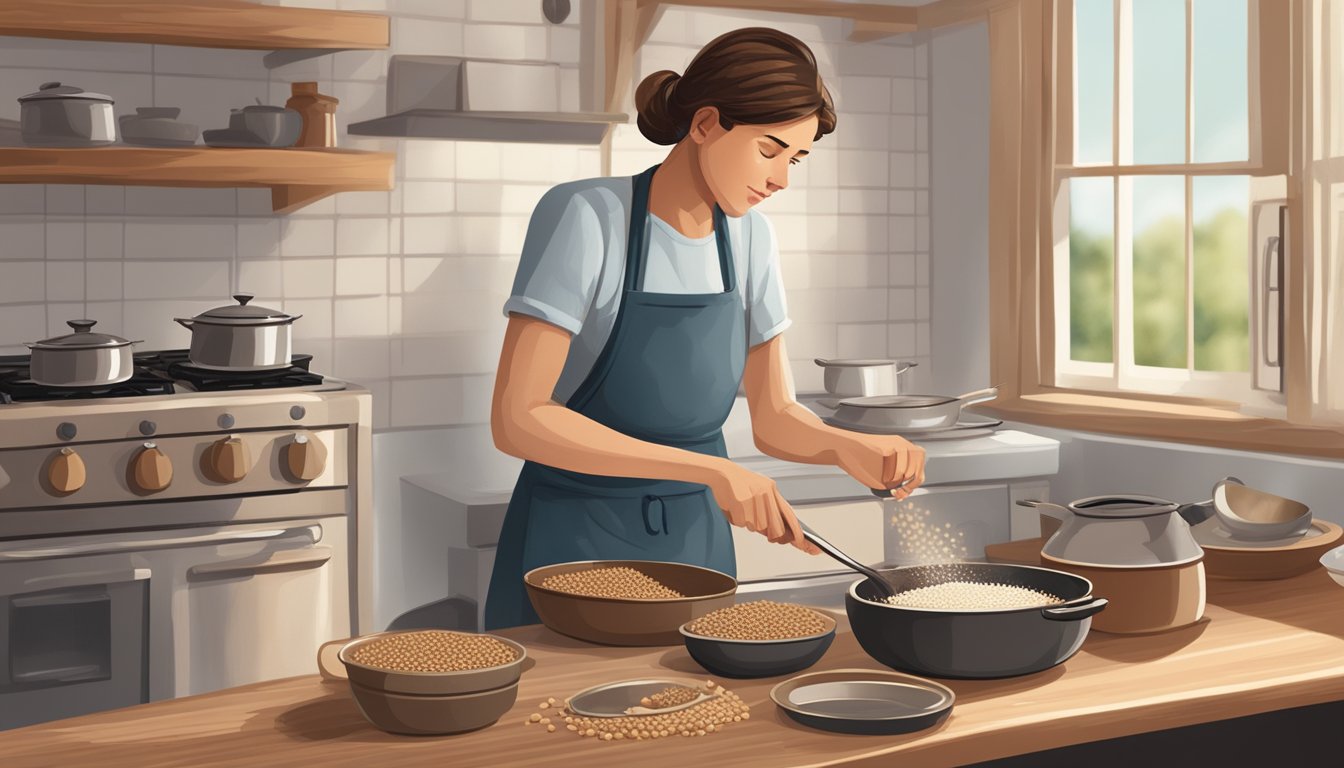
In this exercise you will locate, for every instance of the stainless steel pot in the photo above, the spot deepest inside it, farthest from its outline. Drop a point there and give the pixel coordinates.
(65, 116)
(240, 337)
(81, 359)
(891, 413)
(1138, 551)
(863, 378)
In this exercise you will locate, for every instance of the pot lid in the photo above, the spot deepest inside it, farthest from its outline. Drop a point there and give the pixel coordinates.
(1122, 506)
(243, 313)
(59, 91)
(82, 338)
(856, 363)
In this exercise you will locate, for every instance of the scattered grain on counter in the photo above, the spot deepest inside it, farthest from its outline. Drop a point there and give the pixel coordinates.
(670, 697)
(713, 715)
(622, 582)
(760, 620)
(434, 650)
(972, 596)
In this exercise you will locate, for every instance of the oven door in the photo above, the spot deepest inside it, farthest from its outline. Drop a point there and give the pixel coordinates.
(73, 636)
(247, 611)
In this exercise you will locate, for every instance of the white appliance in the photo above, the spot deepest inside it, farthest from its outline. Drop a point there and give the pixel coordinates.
(166, 543)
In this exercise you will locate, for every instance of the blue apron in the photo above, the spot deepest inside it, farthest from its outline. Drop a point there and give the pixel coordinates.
(668, 374)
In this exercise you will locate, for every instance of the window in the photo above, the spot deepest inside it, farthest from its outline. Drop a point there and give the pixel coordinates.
(1165, 268)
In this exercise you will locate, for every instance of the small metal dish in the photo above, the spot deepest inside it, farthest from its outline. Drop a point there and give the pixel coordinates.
(864, 701)
(622, 698)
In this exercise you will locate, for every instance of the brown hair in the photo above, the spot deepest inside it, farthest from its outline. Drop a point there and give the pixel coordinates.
(756, 76)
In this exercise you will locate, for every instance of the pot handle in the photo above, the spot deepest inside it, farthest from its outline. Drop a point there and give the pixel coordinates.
(1075, 611)
(184, 322)
(903, 367)
(1057, 511)
(979, 396)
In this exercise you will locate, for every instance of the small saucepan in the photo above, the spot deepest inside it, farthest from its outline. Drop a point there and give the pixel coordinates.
(862, 378)
(81, 359)
(896, 412)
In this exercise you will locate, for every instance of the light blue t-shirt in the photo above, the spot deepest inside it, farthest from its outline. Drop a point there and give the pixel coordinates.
(573, 265)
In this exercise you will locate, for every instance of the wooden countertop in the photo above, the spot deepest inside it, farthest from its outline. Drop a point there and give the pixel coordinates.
(1263, 646)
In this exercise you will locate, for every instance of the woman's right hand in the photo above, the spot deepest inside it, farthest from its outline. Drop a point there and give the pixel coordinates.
(752, 501)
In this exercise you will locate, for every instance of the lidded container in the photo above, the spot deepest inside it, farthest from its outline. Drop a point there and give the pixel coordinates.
(59, 115)
(1138, 551)
(240, 337)
(81, 359)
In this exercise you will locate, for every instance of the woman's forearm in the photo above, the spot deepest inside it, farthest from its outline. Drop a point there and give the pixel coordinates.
(557, 436)
(794, 433)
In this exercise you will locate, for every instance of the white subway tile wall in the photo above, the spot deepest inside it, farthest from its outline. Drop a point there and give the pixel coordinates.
(401, 291)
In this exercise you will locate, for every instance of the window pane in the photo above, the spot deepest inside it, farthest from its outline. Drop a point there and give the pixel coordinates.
(1093, 79)
(1221, 258)
(1091, 269)
(1158, 58)
(1219, 81)
(1159, 271)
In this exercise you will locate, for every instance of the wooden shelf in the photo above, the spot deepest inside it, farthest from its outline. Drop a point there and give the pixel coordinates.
(535, 127)
(296, 177)
(202, 23)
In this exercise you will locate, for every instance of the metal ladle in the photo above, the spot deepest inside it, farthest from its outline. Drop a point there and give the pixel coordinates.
(879, 581)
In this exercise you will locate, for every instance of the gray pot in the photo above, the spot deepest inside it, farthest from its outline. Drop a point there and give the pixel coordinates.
(270, 125)
(240, 337)
(863, 378)
(81, 359)
(891, 413)
(65, 116)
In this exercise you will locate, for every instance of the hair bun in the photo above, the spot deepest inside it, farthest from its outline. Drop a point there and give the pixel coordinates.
(659, 120)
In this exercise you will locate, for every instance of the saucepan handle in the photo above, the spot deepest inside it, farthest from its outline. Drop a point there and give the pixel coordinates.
(1057, 511)
(1075, 611)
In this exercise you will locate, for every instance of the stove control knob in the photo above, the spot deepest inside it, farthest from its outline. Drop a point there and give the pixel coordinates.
(151, 470)
(227, 460)
(148, 427)
(65, 473)
(305, 458)
(66, 431)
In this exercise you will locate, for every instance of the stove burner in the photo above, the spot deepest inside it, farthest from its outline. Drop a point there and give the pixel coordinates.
(154, 374)
(174, 364)
(16, 387)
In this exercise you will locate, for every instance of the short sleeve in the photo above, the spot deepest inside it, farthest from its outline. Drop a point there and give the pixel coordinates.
(767, 312)
(562, 256)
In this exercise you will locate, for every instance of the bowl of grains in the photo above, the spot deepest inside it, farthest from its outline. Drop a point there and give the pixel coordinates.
(432, 661)
(625, 602)
(759, 639)
(641, 710)
(433, 681)
(972, 620)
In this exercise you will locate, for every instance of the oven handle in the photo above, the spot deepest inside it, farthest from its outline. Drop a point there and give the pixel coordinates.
(284, 560)
(72, 581)
(219, 537)
(60, 675)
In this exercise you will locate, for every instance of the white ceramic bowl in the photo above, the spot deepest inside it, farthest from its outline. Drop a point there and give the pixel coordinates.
(1334, 564)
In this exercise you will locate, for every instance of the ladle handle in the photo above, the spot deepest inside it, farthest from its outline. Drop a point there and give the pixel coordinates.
(879, 581)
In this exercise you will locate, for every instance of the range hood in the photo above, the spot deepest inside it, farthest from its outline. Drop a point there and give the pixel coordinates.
(447, 97)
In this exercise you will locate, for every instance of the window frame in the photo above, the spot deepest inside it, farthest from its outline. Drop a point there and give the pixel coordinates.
(1026, 78)
(1123, 374)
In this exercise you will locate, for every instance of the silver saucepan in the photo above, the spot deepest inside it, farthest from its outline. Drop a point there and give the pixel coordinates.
(81, 359)
(897, 412)
(240, 337)
(862, 378)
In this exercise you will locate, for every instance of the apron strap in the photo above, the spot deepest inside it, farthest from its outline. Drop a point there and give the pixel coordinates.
(637, 239)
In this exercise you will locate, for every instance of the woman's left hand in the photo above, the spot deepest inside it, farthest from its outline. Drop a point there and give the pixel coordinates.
(882, 461)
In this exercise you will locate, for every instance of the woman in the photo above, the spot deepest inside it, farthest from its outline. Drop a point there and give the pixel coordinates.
(639, 307)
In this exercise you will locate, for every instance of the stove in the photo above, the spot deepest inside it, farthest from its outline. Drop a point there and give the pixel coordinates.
(184, 531)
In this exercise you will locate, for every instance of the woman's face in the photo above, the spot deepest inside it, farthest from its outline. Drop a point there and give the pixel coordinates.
(748, 163)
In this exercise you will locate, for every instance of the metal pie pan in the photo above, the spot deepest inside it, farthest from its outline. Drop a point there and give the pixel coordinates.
(864, 701)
